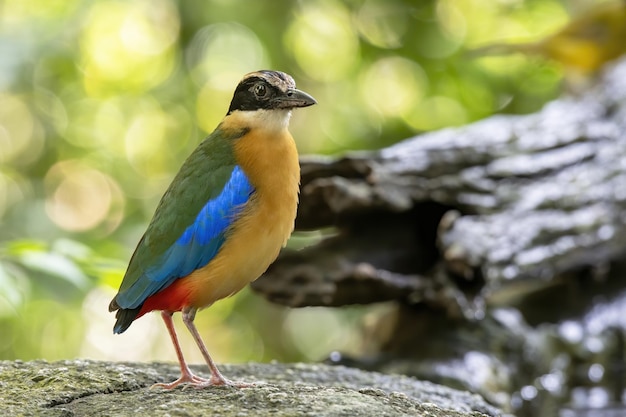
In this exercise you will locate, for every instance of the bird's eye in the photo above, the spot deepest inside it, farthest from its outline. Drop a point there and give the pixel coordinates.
(260, 90)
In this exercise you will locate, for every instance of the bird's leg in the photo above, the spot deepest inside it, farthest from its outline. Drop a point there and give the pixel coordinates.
(186, 376)
(189, 314)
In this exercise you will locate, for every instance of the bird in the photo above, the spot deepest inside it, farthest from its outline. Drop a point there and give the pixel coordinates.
(223, 220)
(582, 46)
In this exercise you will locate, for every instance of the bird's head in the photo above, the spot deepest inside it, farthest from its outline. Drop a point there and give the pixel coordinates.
(268, 90)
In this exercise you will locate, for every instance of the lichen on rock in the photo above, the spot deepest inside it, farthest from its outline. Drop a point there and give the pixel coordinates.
(93, 388)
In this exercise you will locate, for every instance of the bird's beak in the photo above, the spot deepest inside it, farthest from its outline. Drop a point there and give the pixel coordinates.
(294, 98)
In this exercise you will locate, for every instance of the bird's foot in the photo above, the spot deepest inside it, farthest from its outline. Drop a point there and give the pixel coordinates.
(217, 381)
(188, 379)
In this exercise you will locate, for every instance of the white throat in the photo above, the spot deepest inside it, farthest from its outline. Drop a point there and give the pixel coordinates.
(272, 120)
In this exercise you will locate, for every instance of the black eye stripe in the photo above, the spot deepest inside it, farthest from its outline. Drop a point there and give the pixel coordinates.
(253, 93)
(248, 96)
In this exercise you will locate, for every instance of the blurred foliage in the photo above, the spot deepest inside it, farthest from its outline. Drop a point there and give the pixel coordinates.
(101, 101)
(583, 46)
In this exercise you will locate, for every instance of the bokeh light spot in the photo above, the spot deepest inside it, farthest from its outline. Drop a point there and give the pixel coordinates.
(129, 45)
(221, 53)
(16, 128)
(451, 20)
(145, 141)
(78, 198)
(393, 86)
(382, 24)
(215, 67)
(323, 41)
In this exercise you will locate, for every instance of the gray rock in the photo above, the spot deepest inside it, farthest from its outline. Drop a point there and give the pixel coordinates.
(92, 388)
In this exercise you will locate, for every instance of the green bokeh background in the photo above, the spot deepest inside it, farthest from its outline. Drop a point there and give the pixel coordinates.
(101, 101)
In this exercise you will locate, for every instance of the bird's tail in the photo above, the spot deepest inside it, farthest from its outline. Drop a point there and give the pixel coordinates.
(124, 316)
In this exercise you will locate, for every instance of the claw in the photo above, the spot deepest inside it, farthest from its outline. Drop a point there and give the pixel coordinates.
(221, 381)
(194, 381)
(188, 379)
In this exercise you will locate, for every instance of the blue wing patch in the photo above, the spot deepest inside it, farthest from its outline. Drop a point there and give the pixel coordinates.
(197, 245)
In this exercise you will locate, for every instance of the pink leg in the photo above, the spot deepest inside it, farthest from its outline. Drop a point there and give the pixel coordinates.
(189, 314)
(186, 376)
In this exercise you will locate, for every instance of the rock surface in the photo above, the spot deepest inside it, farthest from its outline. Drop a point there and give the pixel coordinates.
(91, 388)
